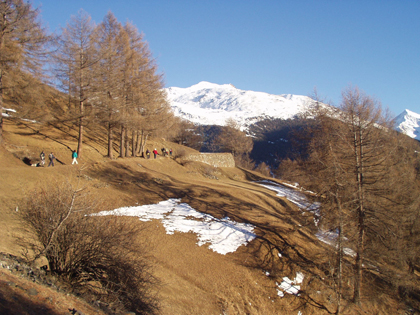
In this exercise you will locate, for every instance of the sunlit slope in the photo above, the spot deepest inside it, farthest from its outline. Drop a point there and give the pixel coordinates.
(196, 279)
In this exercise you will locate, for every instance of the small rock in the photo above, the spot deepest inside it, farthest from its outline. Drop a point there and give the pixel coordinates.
(73, 311)
(32, 291)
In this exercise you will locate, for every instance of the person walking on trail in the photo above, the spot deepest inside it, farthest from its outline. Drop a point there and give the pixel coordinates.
(42, 156)
(51, 157)
(74, 156)
(155, 152)
(148, 154)
(170, 152)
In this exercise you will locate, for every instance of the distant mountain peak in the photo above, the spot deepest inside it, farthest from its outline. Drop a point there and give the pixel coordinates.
(206, 84)
(408, 122)
(208, 103)
(410, 113)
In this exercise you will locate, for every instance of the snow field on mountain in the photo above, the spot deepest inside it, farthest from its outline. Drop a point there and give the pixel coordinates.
(408, 122)
(207, 103)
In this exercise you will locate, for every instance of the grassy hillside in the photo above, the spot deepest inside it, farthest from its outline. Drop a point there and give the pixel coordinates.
(194, 279)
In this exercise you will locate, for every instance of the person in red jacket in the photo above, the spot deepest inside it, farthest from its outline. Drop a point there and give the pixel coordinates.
(155, 152)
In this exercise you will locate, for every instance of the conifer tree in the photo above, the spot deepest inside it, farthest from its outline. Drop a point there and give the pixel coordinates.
(128, 88)
(356, 168)
(149, 110)
(136, 55)
(23, 43)
(75, 62)
(108, 75)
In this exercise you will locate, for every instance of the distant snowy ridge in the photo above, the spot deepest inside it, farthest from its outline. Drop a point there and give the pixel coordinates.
(408, 122)
(212, 104)
(207, 103)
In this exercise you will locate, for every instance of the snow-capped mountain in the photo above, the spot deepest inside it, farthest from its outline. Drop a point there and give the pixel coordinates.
(408, 122)
(207, 103)
(212, 104)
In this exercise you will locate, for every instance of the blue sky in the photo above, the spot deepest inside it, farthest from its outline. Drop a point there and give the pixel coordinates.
(275, 46)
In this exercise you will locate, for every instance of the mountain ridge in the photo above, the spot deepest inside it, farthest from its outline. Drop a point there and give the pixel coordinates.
(408, 122)
(207, 103)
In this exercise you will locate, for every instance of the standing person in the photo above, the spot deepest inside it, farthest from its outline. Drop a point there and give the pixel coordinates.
(74, 156)
(155, 152)
(148, 154)
(170, 152)
(42, 156)
(51, 157)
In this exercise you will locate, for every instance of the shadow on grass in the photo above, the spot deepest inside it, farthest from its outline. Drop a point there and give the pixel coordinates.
(278, 224)
(19, 304)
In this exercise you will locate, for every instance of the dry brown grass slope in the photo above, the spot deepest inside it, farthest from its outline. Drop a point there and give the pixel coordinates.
(195, 280)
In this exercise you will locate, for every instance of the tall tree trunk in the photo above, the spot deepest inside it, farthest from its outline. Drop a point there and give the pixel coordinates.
(338, 200)
(110, 140)
(1, 106)
(138, 138)
(139, 141)
(81, 104)
(340, 254)
(127, 144)
(122, 144)
(133, 143)
(358, 146)
(4, 22)
(143, 145)
(81, 121)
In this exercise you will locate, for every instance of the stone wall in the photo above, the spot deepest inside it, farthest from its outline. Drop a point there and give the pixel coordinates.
(213, 159)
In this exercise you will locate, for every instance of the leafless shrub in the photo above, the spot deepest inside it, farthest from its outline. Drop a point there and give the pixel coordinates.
(209, 171)
(101, 257)
(179, 157)
(179, 154)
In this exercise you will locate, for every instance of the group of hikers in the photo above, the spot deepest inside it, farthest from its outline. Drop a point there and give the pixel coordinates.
(155, 153)
(51, 156)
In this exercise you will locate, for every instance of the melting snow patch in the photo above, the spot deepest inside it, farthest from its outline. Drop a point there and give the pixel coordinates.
(300, 200)
(224, 235)
(293, 195)
(331, 238)
(290, 286)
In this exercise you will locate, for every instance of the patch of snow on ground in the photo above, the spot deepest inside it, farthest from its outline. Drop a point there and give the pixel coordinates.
(301, 201)
(290, 286)
(331, 238)
(224, 235)
(7, 111)
(292, 195)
